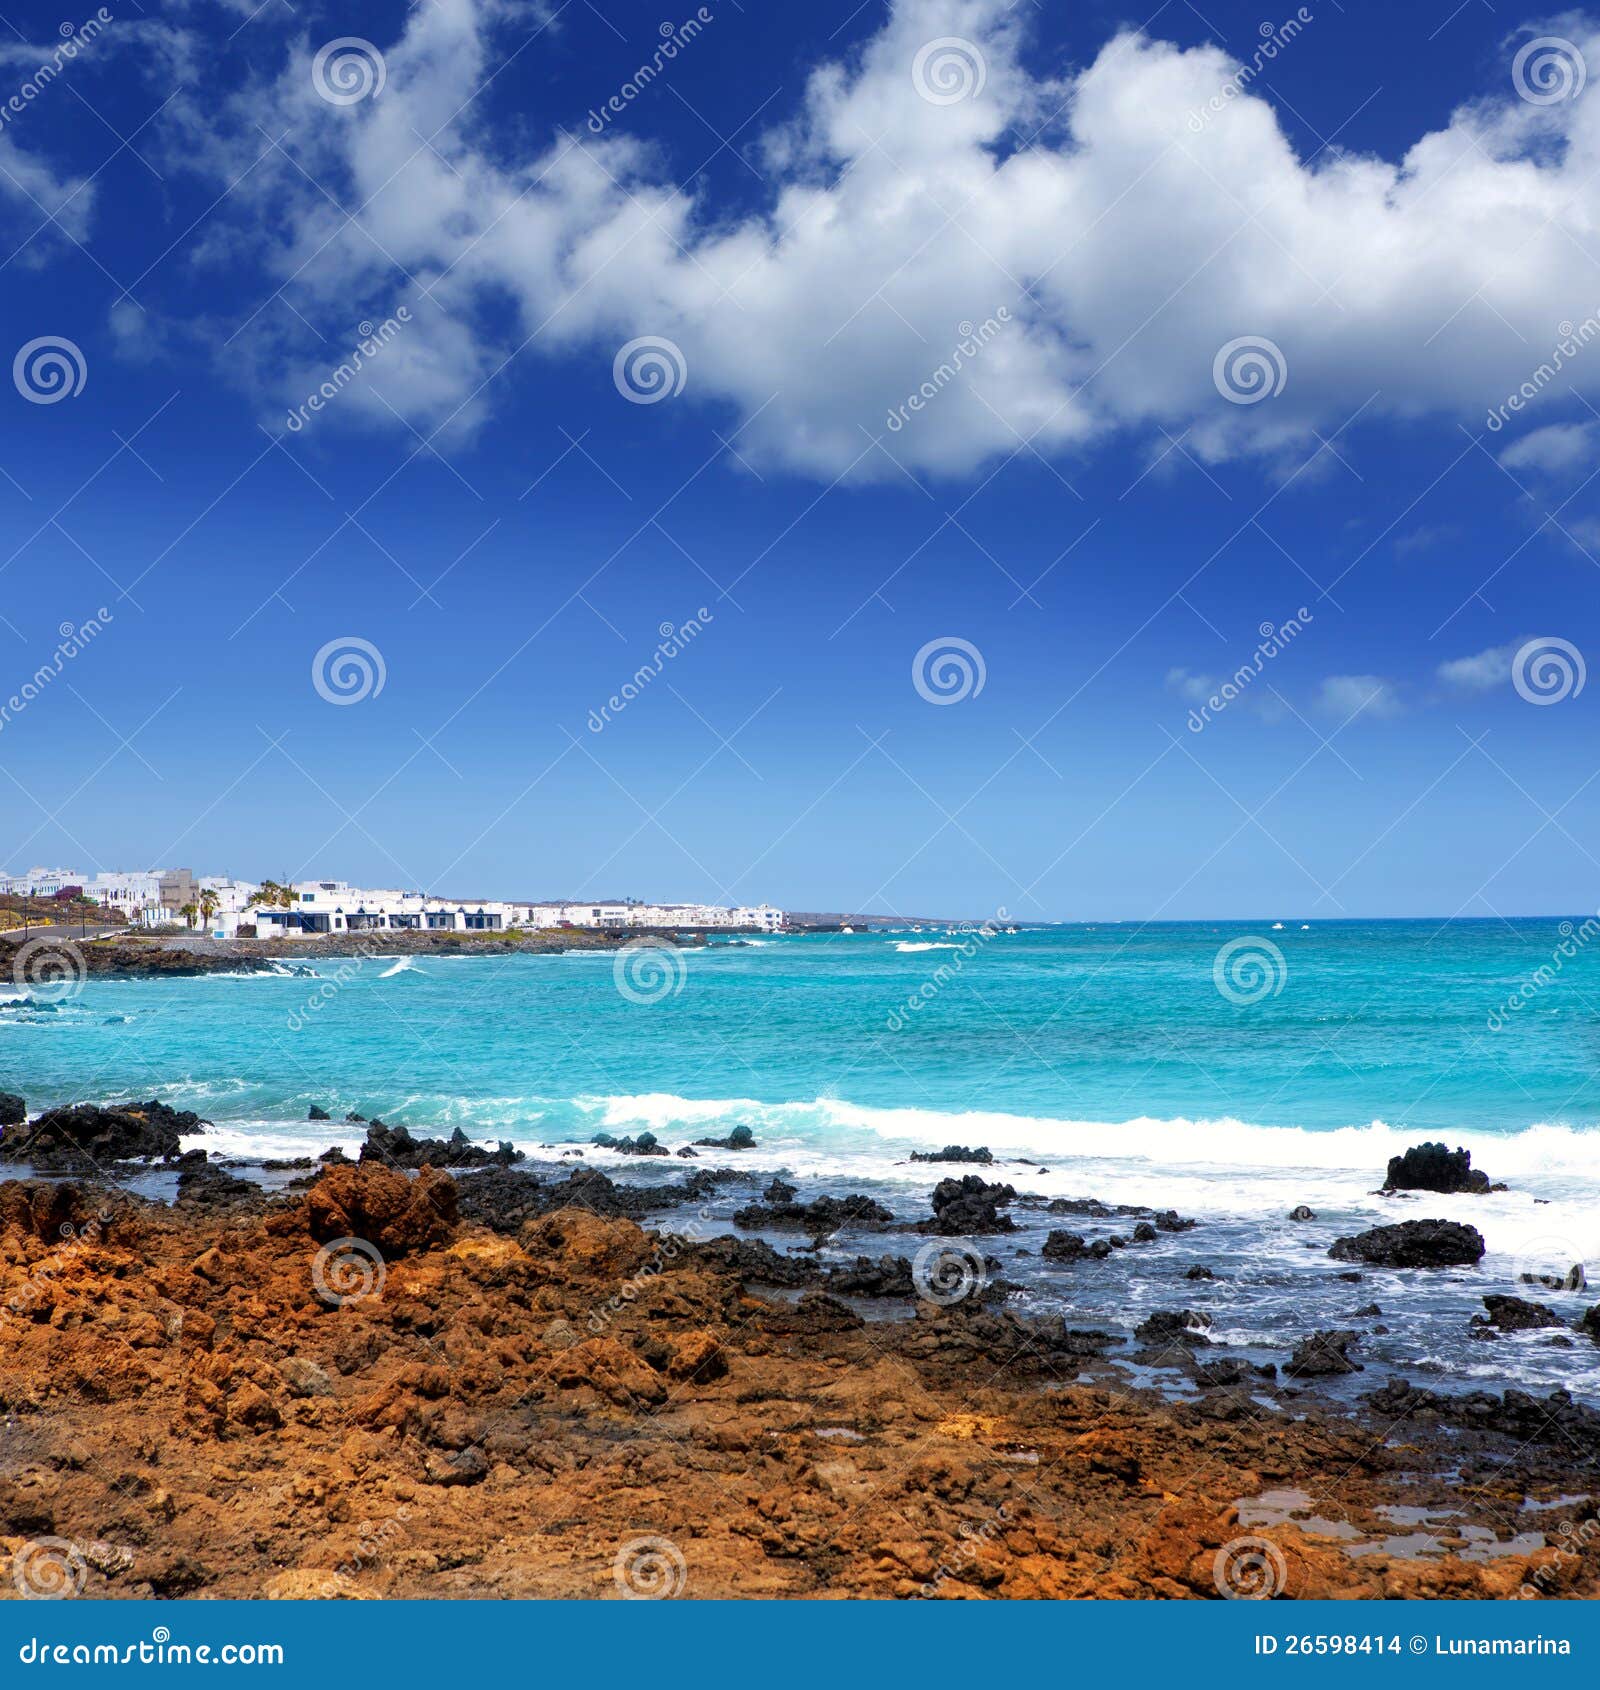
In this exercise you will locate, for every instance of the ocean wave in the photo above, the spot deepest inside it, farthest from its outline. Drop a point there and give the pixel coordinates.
(406, 965)
(906, 946)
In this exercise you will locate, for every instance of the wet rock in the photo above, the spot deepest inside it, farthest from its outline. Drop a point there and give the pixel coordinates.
(316, 1114)
(754, 1260)
(780, 1191)
(821, 1216)
(1433, 1167)
(1555, 1419)
(981, 1157)
(962, 1207)
(1063, 1246)
(1144, 1233)
(646, 1144)
(884, 1276)
(1589, 1323)
(356, 1119)
(1369, 1311)
(1301, 1213)
(1413, 1244)
(84, 1135)
(1199, 1271)
(1323, 1353)
(383, 1207)
(1512, 1314)
(396, 1147)
(1221, 1374)
(741, 1138)
(1166, 1327)
(13, 1111)
(688, 1153)
(215, 1187)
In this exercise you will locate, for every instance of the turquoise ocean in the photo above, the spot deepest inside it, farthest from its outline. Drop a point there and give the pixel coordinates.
(1232, 1071)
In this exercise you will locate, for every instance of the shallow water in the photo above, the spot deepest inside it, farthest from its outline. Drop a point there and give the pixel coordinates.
(1108, 1053)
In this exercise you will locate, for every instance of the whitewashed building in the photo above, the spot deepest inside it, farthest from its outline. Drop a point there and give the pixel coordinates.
(633, 913)
(40, 882)
(146, 897)
(335, 906)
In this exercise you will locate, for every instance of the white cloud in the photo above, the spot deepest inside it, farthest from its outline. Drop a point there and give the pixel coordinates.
(1481, 672)
(1128, 244)
(1349, 696)
(44, 203)
(1558, 450)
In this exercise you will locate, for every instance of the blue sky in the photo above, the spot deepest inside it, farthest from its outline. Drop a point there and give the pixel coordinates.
(807, 205)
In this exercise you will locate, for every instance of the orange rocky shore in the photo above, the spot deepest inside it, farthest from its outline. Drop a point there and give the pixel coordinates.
(349, 1391)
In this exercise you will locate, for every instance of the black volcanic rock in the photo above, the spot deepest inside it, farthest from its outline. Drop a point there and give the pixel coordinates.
(969, 1205)
(1302, 1213)
(1512, 1314)
(1323, 1352)
(646, 1144)
(819, 1217)
(741, 1138)
(399, 1149)
(84, 1134)
(1434, 1167)
(316, 1114)
(13, 1111)
(955, 1153)
(1413, 1244)
(1555, 1419)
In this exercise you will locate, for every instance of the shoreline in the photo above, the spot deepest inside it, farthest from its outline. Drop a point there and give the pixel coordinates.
(387, 1379)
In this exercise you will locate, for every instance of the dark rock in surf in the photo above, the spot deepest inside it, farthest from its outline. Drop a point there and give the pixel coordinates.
(741, 1138)
(1413, 1244)
(1323, 1353)
(1300, 1212)
(1434, 1167)
(399, 1149)
(1512, 1314)
(969, 1205)
(84, 1135)
(955, 1153)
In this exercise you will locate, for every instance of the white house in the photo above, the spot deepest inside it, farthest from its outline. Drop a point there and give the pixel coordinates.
(334, 906)
(632, 913)
(40, 882)
(147, 897)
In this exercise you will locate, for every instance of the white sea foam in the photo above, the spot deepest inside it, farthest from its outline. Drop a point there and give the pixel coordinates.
(909, 945)
(406, 965)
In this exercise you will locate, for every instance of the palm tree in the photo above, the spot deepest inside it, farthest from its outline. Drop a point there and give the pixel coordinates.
(270, 895)
(208, 906)
(189, 912)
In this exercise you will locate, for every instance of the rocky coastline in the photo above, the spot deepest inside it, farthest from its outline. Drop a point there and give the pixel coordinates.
(443, 1370)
